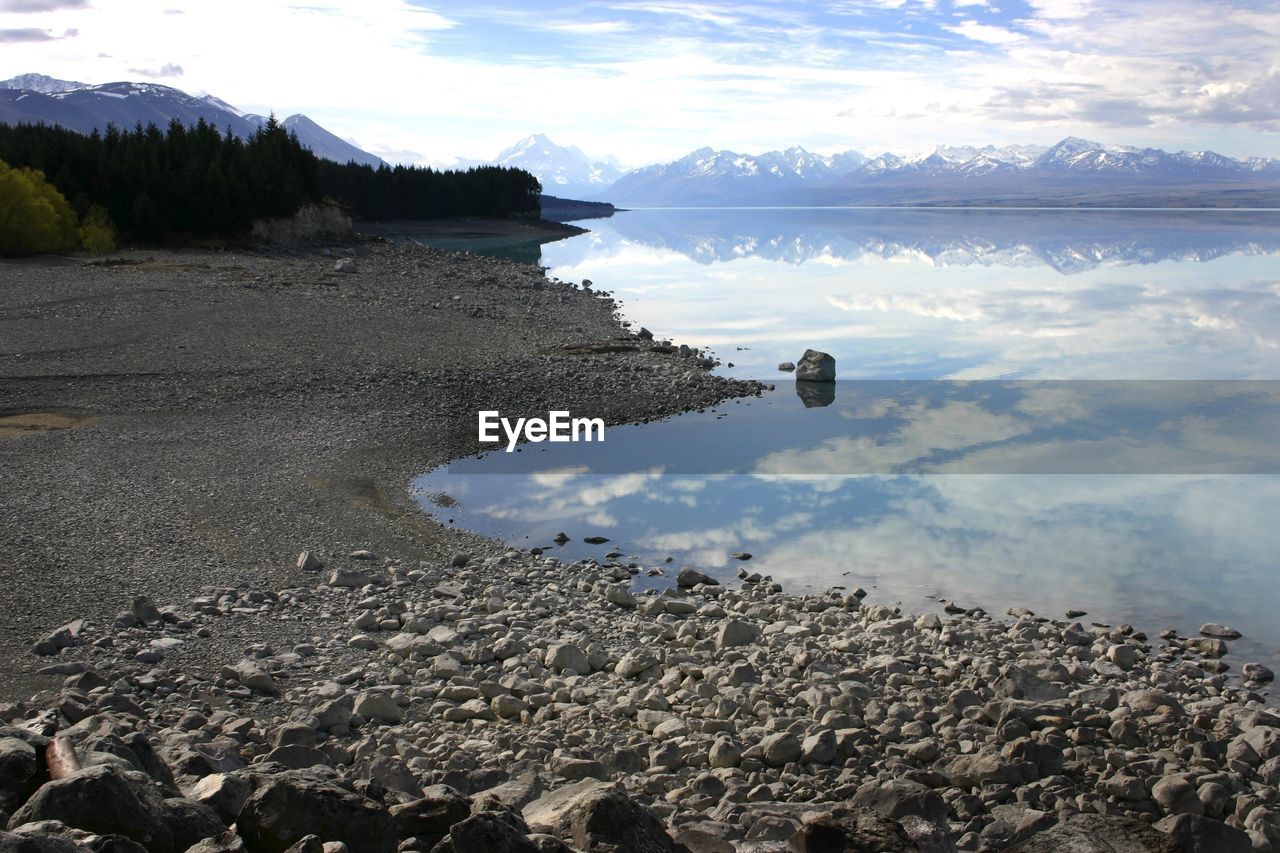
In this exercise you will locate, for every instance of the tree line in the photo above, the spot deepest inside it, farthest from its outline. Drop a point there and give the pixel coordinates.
(411, 192)
(196, 182)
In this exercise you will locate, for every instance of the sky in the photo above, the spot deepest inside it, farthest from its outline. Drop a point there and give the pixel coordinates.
(650, 80)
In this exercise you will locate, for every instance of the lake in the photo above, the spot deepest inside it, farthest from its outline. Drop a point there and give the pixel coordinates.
(1048, 409)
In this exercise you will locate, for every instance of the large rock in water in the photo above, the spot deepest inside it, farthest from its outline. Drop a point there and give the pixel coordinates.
(815, 366)
(290, 806)
(600, 818)
(109, 801)
(688, 578)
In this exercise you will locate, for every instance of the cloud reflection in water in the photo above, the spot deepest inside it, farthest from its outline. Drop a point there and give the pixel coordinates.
(1150, 502)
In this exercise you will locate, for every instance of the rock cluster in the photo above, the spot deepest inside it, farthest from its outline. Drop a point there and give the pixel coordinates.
(508, 701)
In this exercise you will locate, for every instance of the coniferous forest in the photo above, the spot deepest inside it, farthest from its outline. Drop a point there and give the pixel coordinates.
(197, 182)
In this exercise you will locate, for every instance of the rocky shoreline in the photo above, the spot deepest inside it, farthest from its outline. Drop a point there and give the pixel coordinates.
(404, 686)
(503, 700)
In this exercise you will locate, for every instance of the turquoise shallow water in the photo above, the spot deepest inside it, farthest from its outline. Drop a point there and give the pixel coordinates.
(987, 442)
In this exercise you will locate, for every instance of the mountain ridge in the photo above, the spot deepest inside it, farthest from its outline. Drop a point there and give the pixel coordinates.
(1073, 170)
(38, 98)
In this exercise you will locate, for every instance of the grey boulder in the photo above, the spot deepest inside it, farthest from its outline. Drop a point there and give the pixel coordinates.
(290, 806)
(1199, 834)
(853, 829)
(815, 366)
(107, 800)
(1094, 833)
(899, 798)
(600, 818)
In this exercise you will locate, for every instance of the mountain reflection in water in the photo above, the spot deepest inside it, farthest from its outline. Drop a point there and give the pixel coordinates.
(929, 294)
(1068, 241)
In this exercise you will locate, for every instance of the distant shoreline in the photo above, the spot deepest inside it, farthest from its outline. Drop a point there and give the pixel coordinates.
(961, 206)
(543, 230)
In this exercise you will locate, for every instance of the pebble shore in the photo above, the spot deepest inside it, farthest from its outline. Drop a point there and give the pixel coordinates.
(508, 689)
(375, 696)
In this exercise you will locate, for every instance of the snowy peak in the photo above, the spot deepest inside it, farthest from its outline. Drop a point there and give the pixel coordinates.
(792, 164)
(1211, 160)
(41, 83)
(710, 175)
(1013, 155)
(886, 162)
(220, 104)
(1072, 146)
(564, 171)
(796, 176)
(146, 92)
(1081, 155)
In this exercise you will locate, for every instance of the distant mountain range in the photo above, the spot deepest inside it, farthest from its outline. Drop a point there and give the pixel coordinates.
(35, 98)
(1074, 171)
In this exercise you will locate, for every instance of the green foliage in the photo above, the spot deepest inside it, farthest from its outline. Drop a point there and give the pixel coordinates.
(97, 234)
(194, 182)
(34, 217)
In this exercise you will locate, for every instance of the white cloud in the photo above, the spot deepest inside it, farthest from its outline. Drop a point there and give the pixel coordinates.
(985, 33)
(655, 79)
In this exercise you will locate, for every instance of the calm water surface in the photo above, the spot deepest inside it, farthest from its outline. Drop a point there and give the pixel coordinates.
(1015, 422)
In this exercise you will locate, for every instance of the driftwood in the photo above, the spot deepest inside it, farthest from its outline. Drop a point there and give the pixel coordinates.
(61, 757)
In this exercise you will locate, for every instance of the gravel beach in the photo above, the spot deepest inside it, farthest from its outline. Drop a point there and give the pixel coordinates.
(241, 407)
(224, 602)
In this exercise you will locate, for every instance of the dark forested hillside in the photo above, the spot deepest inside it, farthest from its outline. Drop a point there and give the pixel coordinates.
(410, 192)
(194, 182)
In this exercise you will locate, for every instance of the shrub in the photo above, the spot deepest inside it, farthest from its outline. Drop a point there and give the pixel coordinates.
(34, 217)
(97, 234)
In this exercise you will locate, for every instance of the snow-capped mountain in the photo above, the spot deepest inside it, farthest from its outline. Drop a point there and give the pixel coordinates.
(1072, 171)
(41, 83)
(1015, 155)
(708, 176)
(35, 98)
(220, 104)
(564, 171)
(1080, 155)
(886, 162)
